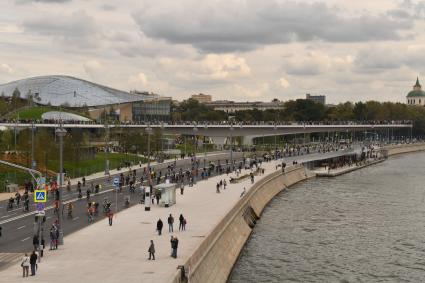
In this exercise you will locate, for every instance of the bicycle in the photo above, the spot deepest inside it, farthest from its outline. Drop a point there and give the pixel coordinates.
(90, 218)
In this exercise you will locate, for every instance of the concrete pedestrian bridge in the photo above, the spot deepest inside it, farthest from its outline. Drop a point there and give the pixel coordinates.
(224, 129)
(219, 132)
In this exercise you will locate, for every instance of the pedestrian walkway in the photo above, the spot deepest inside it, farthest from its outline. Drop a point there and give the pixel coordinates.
(119, 253)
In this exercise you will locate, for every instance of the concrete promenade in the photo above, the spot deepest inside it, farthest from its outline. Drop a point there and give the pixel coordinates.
(101, 253)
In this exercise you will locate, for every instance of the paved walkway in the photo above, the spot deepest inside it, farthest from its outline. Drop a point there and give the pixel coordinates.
(101, 253)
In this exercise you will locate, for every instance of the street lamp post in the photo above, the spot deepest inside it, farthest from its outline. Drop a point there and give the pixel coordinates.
(275, 144)
(32, 146)
(149, 132)
(60, 132)
(231, 146)
(106, 147)
(195, 130)
(203, 145)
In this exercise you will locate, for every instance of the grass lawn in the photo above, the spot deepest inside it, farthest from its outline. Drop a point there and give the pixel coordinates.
(12, 176)
(87, 167)
(36, 112)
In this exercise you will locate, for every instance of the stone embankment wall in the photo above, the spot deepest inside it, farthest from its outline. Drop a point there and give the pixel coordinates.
(213, 260)
(404, 148)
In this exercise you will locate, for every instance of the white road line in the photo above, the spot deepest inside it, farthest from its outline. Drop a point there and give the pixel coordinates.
(27, 238)
(20, 227)
(48, 217)
(76, 218)
(4, 216)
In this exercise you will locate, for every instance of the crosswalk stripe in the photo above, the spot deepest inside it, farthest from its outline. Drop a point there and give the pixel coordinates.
(8, 259)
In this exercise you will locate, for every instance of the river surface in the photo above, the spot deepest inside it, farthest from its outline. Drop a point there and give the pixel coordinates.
(365, 226)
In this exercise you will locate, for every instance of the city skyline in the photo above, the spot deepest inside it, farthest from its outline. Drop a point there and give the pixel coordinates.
(236, 50)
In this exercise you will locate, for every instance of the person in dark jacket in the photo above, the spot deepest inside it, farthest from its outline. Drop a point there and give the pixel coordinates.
(174, 246)
(159, 226)
(33, 262)
(151, 251)
(170, 223)
(181, 218)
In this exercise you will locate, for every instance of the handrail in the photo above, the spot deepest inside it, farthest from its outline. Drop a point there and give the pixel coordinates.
(29, 170)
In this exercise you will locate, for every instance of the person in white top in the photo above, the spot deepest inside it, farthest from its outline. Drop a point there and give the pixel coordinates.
(25, 265)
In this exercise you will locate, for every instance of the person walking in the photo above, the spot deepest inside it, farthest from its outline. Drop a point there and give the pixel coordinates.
(25, 263)
(217, 188)
(170, 223)
(151, 251)
(181, 218)
(33, 262)
(172, 241)
(224, 184)
(174, 246)
(184, 224)
(110, 217)
(159, 226)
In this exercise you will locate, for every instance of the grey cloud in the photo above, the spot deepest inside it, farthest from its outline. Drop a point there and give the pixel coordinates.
(240, 26)
(107, 7)
(76, 28)
(377, 59)
(42, 1)
(409, 10)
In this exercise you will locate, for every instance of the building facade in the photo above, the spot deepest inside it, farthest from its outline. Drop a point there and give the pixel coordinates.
(316, 98)
(417, 95)
(202, 98)
(233, 106)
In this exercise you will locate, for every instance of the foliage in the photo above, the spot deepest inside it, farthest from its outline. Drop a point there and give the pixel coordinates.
(192, 110)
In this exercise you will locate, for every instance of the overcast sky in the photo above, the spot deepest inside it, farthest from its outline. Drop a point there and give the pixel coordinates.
(231, 49)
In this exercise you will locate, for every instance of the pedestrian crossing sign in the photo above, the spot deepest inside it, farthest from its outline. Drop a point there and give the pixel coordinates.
(40, 196)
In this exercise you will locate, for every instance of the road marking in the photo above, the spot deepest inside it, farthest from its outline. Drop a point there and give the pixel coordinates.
(4, 216)
(75, 218)
(20, 227)
(48, 217)
(27, 238)
(14, 209)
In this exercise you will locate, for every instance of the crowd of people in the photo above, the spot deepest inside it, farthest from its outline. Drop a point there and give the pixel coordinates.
(211, 123)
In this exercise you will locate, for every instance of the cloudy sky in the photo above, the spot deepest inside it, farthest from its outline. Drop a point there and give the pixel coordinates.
(232, 49)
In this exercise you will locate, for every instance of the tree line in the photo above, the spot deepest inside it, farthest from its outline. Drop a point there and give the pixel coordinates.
(307, 110)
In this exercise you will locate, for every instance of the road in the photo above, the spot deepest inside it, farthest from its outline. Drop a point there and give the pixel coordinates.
(18, 228)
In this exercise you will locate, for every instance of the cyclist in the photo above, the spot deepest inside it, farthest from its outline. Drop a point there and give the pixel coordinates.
(70, 207)
(89, 213)
(10, 204)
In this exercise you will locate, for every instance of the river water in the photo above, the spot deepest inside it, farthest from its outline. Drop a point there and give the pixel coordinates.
(365, 226)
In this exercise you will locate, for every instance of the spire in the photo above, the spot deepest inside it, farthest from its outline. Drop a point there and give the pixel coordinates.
(417, 86)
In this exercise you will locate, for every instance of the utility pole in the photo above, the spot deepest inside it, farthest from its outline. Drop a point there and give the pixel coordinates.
(60, 132)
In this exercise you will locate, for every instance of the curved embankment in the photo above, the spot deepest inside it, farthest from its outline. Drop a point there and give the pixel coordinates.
(213, 260)
(405, 148)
